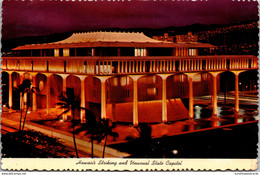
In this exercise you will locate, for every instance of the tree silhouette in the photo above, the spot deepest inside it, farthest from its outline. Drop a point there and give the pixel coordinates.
(92, 127)
(25, 87)
(105, 130)
(70, 102)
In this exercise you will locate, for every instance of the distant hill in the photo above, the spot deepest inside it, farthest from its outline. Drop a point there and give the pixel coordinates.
(227, 35)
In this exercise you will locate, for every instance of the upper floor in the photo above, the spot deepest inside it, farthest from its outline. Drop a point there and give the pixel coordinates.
(115, 44)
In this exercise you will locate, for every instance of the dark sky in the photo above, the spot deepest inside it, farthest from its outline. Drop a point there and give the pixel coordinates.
(25, 18)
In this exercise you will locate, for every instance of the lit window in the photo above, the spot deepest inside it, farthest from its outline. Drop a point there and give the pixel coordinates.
(151, 91)
(115, 83)
(123, 81)
(140, 52)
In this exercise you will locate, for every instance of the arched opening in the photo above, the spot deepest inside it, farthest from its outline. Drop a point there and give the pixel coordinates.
(226, 82)
(150, 99)
(55, 89)
(41, 86)
(5, 88)
(248, 82)
(120, 98)
(74, 83)
(16, 79)
(202, 84)
(177, 86)
(93, 95)
(177, 90)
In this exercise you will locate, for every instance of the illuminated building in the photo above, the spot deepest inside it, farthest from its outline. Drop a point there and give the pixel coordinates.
(127, 77)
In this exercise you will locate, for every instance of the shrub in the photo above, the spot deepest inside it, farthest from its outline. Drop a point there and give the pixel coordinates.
(30, 144)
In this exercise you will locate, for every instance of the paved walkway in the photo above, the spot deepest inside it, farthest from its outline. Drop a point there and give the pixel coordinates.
(10, 119)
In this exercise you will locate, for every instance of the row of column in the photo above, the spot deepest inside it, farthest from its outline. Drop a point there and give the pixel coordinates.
(190, 82)
(135, 93)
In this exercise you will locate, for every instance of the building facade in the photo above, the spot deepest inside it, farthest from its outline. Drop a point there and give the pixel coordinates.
(127, 77)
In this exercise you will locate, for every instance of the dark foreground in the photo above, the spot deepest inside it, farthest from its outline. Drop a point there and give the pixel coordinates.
(239, 141)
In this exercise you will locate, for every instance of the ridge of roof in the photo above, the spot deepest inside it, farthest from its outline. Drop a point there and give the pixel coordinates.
(104, 36)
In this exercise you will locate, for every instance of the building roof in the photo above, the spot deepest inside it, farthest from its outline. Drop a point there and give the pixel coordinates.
(109, 39)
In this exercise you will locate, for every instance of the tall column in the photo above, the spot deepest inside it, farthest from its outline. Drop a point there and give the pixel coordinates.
(236, 93)
(135, 103)
(191, 112)
(237, 90)
(34, 102)
(103, 96)
(10, 90)
(21, 97)
(64, 88)
(215, 94)
(103, 100)
(82, 98)
(164, 101)
(135, 99)
(48, 94)
(164, 96)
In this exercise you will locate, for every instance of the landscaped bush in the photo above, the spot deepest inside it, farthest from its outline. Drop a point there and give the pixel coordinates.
(31, 144)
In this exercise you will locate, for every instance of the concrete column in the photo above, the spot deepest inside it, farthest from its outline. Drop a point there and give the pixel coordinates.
(215, 93)
(48, 94)
(135, 98)
(236, 93)
(21, 97)
(64, 87)
(190, 78)
(164, 101)
(214, 96)
(135, 102)
(34, 97)
(103, 96)
(164, 97)
(82, 98)
(191, 112)
(237, 90)
(103, 100)
(10, 90)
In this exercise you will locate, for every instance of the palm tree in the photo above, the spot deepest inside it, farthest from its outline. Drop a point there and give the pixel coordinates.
(25, 87)
(92, 128)
(70, 102)
(106, 130)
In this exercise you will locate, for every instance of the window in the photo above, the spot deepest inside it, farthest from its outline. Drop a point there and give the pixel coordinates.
(140, 52)
(192, 52)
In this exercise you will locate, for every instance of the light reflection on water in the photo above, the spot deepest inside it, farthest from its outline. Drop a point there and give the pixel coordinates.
(226, 116)
(202, 120)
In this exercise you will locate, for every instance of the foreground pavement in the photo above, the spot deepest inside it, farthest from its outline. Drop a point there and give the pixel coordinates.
(65, 137)
(128, 133)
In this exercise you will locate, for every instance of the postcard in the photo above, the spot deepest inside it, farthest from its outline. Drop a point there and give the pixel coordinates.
(106, 85)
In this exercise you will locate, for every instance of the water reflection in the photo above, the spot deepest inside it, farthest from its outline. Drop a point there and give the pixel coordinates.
(203, 119)
(226, 116)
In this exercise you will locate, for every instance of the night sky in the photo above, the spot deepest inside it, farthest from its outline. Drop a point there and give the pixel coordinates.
(30, 18)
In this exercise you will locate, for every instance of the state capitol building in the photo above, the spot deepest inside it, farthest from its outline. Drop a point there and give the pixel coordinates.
(126, 77)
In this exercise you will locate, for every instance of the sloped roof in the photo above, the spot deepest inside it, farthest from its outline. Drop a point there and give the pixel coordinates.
(107, 37)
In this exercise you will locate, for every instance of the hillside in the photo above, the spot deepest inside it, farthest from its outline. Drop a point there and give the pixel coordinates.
(230, 38)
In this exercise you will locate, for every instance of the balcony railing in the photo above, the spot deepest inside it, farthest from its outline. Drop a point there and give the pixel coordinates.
(129, 65)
